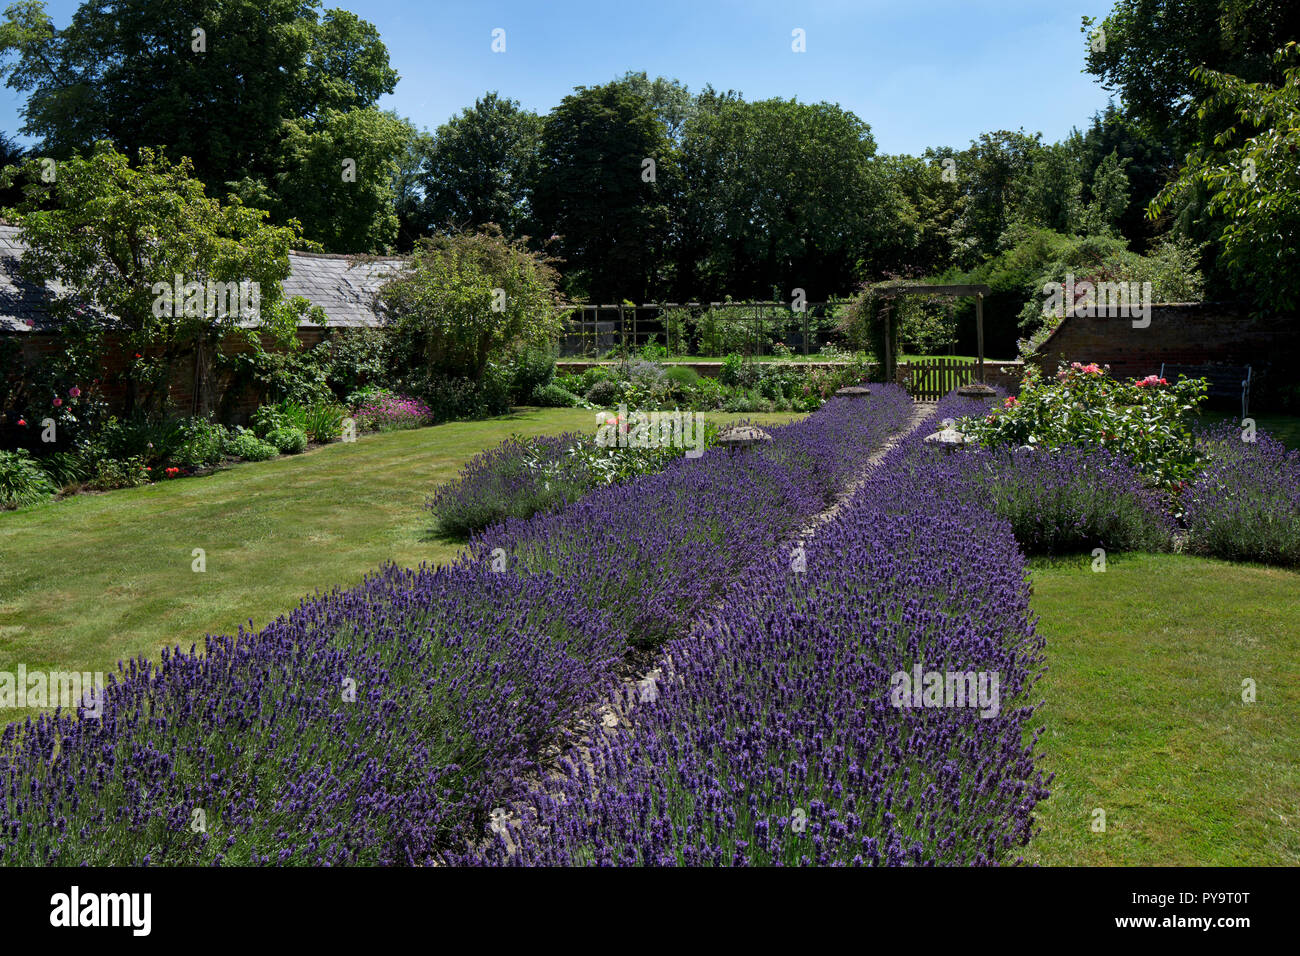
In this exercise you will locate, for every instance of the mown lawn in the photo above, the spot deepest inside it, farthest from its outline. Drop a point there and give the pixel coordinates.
(94, 579)
(1145, 718)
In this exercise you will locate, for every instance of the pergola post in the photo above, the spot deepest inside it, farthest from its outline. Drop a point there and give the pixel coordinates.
(979, 329)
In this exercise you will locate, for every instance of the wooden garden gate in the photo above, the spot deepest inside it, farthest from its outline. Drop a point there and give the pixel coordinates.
(931, 379)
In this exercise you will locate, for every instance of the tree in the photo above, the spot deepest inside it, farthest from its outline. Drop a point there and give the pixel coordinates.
(11, 154)
(235, 85)
(1252, 181)
(596, 192)
(669, 100)
(117, 236)
(464, 298)
(477, 167)
(1110, 193)
(1146, 49)
(1052, 190)
(1148, 162)
(993, 173)
(931, 201)
(786, 195)
(338, 178)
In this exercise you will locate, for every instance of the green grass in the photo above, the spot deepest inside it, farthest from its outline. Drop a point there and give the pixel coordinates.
(1145, 718)
(94, 579)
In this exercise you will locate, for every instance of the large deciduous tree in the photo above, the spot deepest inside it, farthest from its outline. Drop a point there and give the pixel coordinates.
(1252, 180)
(596, 192)
(783, 195)
(477, 166)
(234, 85)
(1145, 50)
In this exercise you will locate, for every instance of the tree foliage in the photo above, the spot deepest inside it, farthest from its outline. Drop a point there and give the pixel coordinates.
(1252, 179)
(477, 167)
(594, 192)
(108, 232)
(249, 93)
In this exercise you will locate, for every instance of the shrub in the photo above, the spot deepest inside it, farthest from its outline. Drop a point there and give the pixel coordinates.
(1068, 499)
(356, 359)
(22, 481)
(530, 369)
(1146, 420)
(202, 445)
(113, 473)
(249, 447)
(150, 439)
(605, 392)
(448, 313)
(1245, 506)
(285, 414)
(732, 371)
(708, 394)
(289, 441)
(553, 396)
(683, 376)
(521, 477)
(387, 412)
(742, 400)
(516, 479)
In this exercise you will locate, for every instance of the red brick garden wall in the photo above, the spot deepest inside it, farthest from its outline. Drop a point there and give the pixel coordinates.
(38, 346)
(1181, 334)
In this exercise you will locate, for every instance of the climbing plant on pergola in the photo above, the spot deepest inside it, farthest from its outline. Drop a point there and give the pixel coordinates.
(890, 289)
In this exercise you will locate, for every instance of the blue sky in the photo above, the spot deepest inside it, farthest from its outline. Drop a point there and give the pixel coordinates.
(922, 73)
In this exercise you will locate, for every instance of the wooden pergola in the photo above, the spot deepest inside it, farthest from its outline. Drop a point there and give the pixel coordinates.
(951, 291)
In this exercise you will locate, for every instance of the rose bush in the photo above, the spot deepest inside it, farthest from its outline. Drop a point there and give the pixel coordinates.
(1148, 421)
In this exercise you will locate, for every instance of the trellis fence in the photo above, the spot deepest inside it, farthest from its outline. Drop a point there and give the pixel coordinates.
(707, 329)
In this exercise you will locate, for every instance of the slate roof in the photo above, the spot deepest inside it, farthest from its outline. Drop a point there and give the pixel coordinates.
(344, 286)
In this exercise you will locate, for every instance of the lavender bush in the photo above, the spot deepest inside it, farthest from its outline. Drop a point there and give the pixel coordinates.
(524, 476)
(516, 479)
(1245, 506)
(773, 736)
(384, 723)
(368, 726)
(658, 551)
(1069, 499)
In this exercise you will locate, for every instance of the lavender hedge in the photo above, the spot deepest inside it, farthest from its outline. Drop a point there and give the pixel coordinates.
(657, 552)
(516, 479)
(383, 723)
(455, 675)
(773, 735)
(1245, 505)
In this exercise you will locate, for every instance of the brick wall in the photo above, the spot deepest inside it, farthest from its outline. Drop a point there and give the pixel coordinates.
(35, 347)
(1182, 334)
